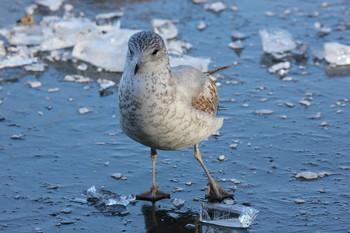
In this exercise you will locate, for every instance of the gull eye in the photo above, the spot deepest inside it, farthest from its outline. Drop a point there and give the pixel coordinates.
(155, 52)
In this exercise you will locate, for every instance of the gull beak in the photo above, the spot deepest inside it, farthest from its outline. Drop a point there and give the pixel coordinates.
(138, 66)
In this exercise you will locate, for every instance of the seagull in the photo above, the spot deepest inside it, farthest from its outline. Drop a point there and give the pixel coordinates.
(166, 108)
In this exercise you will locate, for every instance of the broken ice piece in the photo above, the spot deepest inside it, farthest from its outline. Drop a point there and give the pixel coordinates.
(20, 58)
(105, 51)
(276, 40)
(235, 215)
(178, 47)
(54, 89)
(280, 69)
(165, 28)
(82, 67)
(83, 110)
(105, 83)
(119, 176)
(178, 203)
(201, 25)
(307, 175)
(305, 103)
(197, 62)
(336, 53)
(64, 33)
(107, 201)
(111, 18)
(34, 84)
(263, 112)
(236, 35)
(200, 1)
(24, 34)
(77, 78)
(38, 67)
(19, 136)
(236, 45)
(215, 7)
(53, 5)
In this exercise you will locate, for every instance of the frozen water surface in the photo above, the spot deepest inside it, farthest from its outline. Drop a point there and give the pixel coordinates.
(60, 134)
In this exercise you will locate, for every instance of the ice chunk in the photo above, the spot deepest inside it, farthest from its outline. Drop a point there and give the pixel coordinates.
(67, 32)
(23, 34)
(235, 215)
(276, 40)
(197, 62)
(215, 7)
(200, 1)
(165, 28)
(201, 25)
(23, 56)
(111, 18)
(2, 49)
(107, 51)
(107, 201)
(178, 203)
(77, 78)
(53, 5)
(105, 83)
(178, 47)
(236, 35)
(280, 69)
(236, 45)
(35, 67)
(336, 53)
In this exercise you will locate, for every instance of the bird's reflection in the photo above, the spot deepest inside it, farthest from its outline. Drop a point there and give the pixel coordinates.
(173, 221)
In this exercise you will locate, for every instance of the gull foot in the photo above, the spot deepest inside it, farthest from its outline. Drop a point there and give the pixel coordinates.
(153, 195)
(217, 194)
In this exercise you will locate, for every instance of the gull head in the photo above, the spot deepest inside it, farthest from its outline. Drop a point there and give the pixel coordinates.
(147, 53)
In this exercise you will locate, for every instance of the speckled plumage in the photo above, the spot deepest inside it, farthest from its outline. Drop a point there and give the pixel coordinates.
(163, 108)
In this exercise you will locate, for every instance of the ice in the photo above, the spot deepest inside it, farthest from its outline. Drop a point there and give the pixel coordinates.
(39, 67)
(280, 69)
(66, 33)
(111, 18)
(201, 25)
(23, 56)
(236, 45)
(2, 49)
(197, 62)
(53, 5)
(107, 51)
(178, 47)
(107, 201)
(165, 28)
(23, 34)
(200, 1)
(276, 40)
(236, 35)
(215, 7)
(77, 78)
(105, 83)
(101, 43)
(237, 216)
(337, 54)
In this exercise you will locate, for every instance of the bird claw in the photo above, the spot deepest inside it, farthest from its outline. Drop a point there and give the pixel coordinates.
(153, 195)
(217, 194)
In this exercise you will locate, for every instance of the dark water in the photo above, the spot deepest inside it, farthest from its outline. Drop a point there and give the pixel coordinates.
(63, 153)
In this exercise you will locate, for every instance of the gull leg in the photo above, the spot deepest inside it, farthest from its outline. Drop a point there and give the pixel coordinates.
(215, 192)
(154, 194)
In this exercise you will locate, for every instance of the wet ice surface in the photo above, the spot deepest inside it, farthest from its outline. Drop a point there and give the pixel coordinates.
(282, 138)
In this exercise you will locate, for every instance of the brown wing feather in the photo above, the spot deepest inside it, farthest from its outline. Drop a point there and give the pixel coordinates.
(208, 99)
